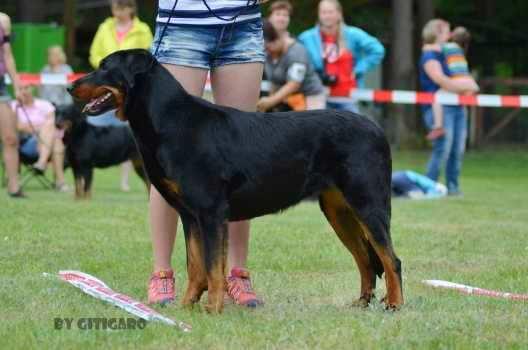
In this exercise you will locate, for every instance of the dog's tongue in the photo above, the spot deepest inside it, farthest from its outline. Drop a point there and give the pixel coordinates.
(89, 105)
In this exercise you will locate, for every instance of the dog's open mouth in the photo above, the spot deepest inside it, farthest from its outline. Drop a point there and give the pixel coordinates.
(101, 103)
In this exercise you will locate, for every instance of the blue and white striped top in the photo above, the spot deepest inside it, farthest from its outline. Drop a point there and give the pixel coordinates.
(195, 12)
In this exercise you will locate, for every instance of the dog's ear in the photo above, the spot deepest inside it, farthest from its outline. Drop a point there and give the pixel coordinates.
(137, 62)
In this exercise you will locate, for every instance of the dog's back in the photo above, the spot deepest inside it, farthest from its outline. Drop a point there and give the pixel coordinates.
(108, 145)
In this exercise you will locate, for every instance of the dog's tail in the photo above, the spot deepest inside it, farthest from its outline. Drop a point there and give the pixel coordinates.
(375, 260)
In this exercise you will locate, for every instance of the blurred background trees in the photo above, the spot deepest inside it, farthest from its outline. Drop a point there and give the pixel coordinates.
(498, 53)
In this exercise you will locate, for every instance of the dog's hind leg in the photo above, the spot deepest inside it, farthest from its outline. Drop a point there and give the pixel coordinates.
(88, 177)
(347, 227)
(371, 204)
(196, 274)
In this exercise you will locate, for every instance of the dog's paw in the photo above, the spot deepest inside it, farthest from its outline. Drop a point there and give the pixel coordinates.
(215, 309)
(390, 306)
(362, 302)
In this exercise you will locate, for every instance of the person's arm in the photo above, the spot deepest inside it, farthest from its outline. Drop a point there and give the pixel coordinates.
(371, 51)
(268, 102)
(434, 70)
(146, 37)
(96, 49)
(297, 63)
(22, 125)
(9, 60)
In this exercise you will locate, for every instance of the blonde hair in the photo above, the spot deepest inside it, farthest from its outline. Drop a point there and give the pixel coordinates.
(341, 25)
(60, 52)
(432, 29)
(131, 4)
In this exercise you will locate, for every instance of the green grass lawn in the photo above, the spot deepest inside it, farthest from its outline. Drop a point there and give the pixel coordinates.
(302, 271)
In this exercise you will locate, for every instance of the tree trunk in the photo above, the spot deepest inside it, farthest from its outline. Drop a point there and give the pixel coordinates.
(402, 70)
(426, 11)
(69, 24)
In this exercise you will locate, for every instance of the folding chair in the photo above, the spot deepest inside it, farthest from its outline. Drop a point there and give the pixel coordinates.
(26, 170)
(27, 159)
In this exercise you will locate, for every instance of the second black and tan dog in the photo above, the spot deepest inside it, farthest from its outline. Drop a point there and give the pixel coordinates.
(215, 164)
(89, 147)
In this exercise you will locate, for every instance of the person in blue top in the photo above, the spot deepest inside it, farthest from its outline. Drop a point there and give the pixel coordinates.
(434, 75)
(341, 54)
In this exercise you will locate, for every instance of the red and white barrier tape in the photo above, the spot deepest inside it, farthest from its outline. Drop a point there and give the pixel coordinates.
(443, 98)
(475, 291)
(377, 96)
(46, 78)
(98, 289)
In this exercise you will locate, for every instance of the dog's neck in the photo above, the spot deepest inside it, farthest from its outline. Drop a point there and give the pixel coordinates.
(152, 91)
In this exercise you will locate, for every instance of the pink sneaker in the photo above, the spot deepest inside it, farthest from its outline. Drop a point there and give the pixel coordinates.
(239, 288)
(161, 288)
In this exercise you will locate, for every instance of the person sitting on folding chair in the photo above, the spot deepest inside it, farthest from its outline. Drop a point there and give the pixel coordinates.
(38, 134)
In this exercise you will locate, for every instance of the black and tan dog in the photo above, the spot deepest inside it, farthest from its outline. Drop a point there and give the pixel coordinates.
(89, 147)
(214, 164)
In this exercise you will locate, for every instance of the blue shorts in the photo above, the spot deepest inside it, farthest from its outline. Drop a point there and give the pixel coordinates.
(210, 46)
(29, 146)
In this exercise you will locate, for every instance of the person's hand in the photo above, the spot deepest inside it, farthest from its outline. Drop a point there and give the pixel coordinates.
(264, 104)
(472, 88)
(24, 128)
(18, 93)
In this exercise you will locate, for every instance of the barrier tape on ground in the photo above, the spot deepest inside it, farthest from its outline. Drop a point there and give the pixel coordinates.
(469, 290)
(98, 289)
(377, 96)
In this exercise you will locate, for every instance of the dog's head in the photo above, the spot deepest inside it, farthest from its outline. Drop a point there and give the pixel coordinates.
(108, 87)
(67, 117)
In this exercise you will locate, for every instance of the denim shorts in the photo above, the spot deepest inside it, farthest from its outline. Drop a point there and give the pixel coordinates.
(4, 95)
(210, 46)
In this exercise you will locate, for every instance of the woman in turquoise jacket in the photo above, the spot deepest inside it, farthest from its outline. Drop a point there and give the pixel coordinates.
(341, 54)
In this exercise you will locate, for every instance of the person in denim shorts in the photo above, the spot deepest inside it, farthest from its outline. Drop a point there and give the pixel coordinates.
(193, 38)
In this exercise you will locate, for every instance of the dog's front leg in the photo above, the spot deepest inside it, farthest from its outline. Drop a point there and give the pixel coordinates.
(79, 187)
(214, 233)
(196, 274)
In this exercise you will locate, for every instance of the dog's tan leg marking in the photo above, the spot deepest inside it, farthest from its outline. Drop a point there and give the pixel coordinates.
(172, 186)
(196, 274)
(394, 298)
(348, 228)
(216, 278)
(79, 188)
